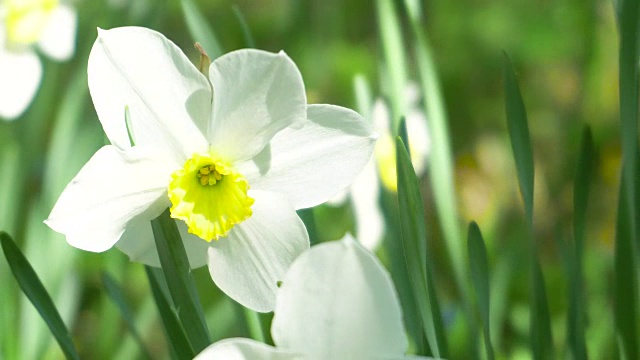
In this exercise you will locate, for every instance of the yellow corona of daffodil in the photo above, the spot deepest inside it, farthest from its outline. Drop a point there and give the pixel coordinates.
(25, 25)
(233, 154)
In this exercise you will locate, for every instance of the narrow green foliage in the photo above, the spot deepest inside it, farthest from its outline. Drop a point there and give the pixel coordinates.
(200, 29)
(117, 296)
(246, 31)
(363, 97)
(519, 134)
(440, 160)
(414, 238)
(175, 266)
(628, 86)
(626, 226)
(577, 305)
(177, 338)
(127, 122)
(539, 324)
(37, 294)
(395, 61)
(478, 266)
(626, 291)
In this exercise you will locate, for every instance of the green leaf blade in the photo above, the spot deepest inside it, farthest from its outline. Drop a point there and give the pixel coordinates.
(540, 324)
(37, 294)
(478, 266)
(414, 239)
(200, 29)
(178, 342)
(519, 135)
(577, 305)
(175, 266)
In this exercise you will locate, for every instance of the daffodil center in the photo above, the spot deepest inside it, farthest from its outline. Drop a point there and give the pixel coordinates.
(211, 174)
(26, 19)
(209, 196)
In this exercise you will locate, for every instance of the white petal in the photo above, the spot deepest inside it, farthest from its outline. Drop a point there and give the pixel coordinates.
(250, 261)
(338, 302)
(139, 244)
(165, 93)
(111, 190)
(244, 349)
(419, 140)
(20, 75)
(256, 94)
(58, 39)
(312, 163)
(365, 195)
(381, 117)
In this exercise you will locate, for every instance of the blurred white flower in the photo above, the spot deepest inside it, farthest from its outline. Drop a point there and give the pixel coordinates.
(365, 190)
(200, 145)
(25, 25)
(336, 302)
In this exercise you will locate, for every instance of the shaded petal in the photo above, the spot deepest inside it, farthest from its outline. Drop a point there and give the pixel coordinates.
(111, 190)
(165, 93)
(419, 140)
(58, 39)
(256, 94)
(244, 349)
(139, 245)
(348, 303)
(312, 163)
(250, 261)
(20, 74)
(365, 197)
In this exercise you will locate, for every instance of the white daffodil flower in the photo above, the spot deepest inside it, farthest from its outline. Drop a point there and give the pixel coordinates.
(336, 302)
(365, 190)
(233, 154)
(25, 25)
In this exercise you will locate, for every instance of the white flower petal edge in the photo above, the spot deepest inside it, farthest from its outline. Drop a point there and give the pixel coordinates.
(169, 100)
(365, 195)
(111, 190)
(58, 39)
(309, 163)
(250, 261)
(20, 74)
(244, 349)
(256, 94)
(139, 245)
(338, 302)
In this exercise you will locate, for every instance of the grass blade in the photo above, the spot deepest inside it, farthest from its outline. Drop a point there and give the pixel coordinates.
(178, 341)
(440, 160)
(246, 31)
(395, 61)
(577, 306)
(177, 272)
(117, 296)
(540, 324)
(200, 30)
(414, 238)
(626, 292)
(37, 294)
(480, 279)
(519, 134)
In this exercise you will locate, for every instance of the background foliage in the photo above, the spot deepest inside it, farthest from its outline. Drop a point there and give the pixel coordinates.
(565, 56)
